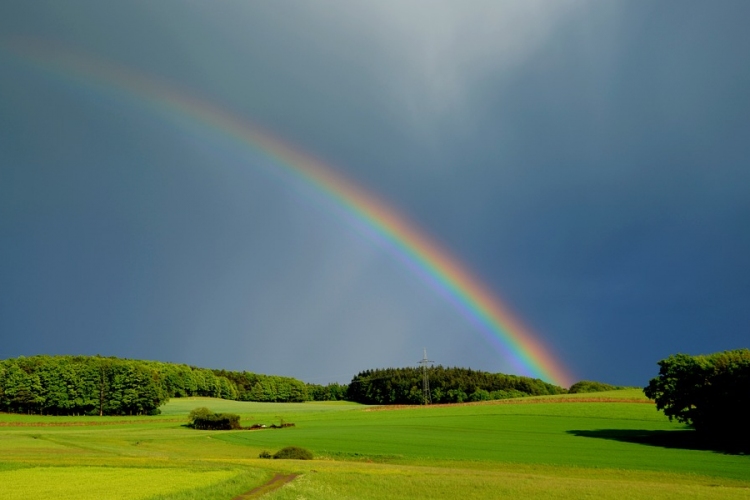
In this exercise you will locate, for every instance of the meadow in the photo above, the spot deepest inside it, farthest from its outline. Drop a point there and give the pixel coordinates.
(605, 445)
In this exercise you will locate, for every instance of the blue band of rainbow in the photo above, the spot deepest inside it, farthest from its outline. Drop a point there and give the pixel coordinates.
(463, 289)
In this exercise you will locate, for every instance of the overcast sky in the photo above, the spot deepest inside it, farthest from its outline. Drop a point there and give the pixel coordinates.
(588, 160)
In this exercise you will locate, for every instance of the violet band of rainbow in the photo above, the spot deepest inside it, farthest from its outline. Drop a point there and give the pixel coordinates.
(464, 290)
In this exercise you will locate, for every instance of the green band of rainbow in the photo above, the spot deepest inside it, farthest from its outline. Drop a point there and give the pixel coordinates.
(464, 290)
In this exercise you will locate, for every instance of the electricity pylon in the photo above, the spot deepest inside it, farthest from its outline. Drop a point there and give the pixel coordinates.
(425, 379)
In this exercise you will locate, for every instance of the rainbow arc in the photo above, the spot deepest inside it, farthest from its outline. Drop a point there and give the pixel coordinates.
(465, 291)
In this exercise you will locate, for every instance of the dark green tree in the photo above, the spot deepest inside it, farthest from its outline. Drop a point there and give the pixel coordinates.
(710, 393)
(448, 385)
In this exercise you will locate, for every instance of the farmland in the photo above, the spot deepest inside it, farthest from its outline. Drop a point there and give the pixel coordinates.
(607, 445)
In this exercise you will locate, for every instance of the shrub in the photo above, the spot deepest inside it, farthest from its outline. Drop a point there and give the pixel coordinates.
(589, 386)
(282, 425)
(479, 395)
(204, 419)
(512, 393)
(200, 412)
(264, 454)
(294, 453)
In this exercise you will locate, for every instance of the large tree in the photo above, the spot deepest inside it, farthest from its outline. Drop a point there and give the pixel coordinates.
(710, 393)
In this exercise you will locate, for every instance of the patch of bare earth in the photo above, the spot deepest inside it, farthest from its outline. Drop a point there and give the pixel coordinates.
(274, 483)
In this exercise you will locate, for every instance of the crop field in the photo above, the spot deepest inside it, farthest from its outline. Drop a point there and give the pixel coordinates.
(604, 445)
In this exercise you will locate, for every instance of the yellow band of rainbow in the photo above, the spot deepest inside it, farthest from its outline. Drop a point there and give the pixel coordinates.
(464, 290)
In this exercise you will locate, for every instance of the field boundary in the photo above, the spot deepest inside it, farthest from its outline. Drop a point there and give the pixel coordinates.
(86, 424)
(513, 401)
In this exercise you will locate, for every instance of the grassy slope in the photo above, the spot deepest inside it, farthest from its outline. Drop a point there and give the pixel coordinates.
(129, 483)
(506, 433)
(474, 451)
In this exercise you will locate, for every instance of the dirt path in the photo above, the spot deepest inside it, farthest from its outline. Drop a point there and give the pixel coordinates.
(275, 483)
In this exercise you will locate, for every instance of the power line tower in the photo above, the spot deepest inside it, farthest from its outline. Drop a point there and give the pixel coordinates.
(425, 379)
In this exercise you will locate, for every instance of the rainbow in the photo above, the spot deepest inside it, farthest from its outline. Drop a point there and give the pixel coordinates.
(413, 246)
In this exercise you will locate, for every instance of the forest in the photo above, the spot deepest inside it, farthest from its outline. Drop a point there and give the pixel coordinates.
(96, 385)
(447, 385)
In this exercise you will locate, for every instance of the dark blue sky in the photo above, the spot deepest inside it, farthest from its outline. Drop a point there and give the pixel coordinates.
(588, 160)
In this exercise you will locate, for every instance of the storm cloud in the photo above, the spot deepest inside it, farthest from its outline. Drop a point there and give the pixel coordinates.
(587, 160)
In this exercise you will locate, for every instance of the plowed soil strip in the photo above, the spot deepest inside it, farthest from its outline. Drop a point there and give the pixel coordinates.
(513, 401)
(275, 483)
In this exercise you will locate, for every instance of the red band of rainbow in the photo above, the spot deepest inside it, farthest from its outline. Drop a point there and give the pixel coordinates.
(463, 289)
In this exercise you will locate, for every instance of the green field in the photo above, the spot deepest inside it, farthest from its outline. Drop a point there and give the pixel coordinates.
(604, 445)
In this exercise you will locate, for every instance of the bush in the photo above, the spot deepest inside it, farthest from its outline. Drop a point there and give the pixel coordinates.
(264, 454)
(204, 419)
(509, 394)
(294, 453)
(589, 386)
(479, 395)
(201, 412)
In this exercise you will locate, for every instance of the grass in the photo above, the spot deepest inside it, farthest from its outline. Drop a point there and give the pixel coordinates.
(551, 434)
(555, 447)
(106, 482)
(633, 393)
(407, 483)
(181, 407)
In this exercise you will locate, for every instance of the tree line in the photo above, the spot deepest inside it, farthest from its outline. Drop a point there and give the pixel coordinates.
(265, 388)
(77, 385)
(447, 385)
(96, 385)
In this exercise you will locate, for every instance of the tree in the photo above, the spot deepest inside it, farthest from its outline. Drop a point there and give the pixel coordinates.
(710, 393)
(198, 413)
